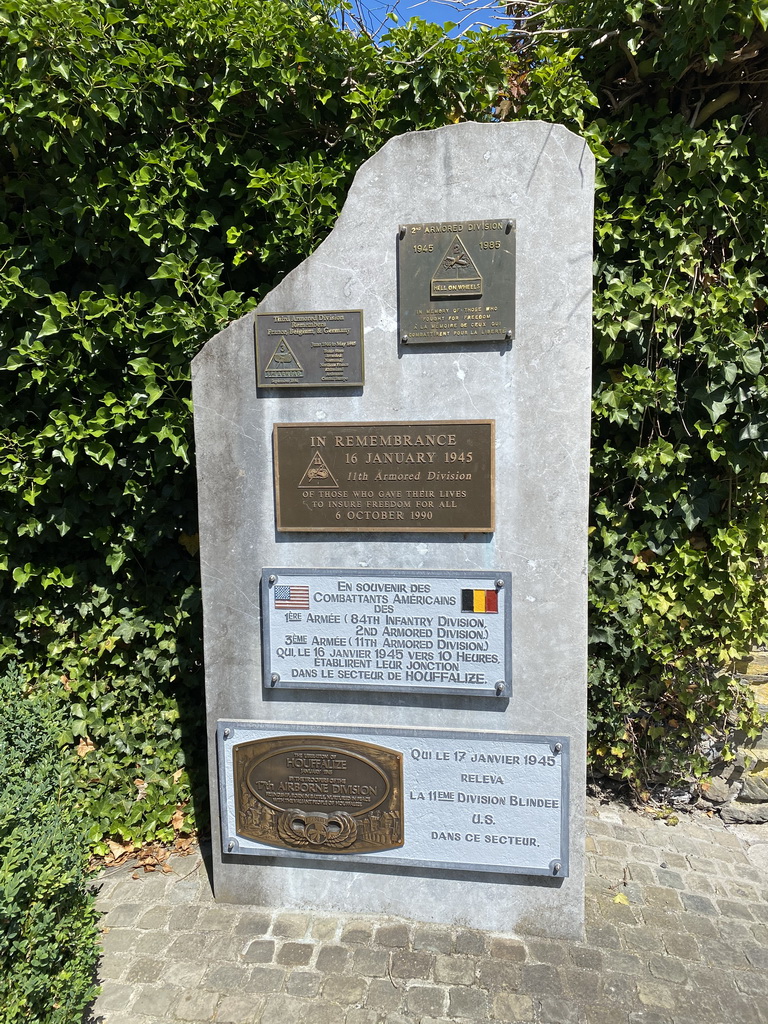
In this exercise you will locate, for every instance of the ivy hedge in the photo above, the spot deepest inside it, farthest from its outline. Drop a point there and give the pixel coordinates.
(48, 935)
(673, 102)
(164, 163)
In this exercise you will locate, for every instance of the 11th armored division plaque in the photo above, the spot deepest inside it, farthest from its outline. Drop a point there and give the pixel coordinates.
(399, 477)
(456, 282)
(316, 349)
(319, 794)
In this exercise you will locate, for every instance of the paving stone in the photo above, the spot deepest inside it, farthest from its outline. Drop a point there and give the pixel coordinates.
(183, 918)
(345, 989)
(492, 974)
(393, 936)
(583, 986)
(412, 965)
(661, 898)
(290, 926)
(217, 919)
(668, 968)
(324, 928)
(701, 927)
(680, 945)
(260, 951)
(370, 963)
(467, 1002)
(537, 978)
(154, 918)
(510, 1006)
(284, 1009)
(196, 1004)
(144, 970)
(454, 970)
(253, 923)
(508, 949)
(266, 979)
(118, 940)
(237, 1009)
(545, 951)
(303, 983)
(583, 956)
(226, 977)
(156, 999)
(114, 996)
(357, 932)
(186, 974)
(361, 1015)
(295, 954)
(433, 938)
(125, 915)
(757, 956)
(186, 946)
(655, 993)
(471, 942)
(333, 959)
(384, 995)
(423, 1000)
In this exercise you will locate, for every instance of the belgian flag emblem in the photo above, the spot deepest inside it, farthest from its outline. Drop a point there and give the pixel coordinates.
(479, 601)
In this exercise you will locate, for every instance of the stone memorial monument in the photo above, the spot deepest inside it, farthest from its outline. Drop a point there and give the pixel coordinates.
(393, 464)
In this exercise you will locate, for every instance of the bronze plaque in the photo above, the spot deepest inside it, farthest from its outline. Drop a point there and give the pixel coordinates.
(319, 794)
(456, 282)
(322, 349)
(426, 477)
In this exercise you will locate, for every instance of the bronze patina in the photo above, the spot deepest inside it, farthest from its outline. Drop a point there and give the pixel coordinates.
(456, 282)
(435, 477)
(319, 794)
(320, 349)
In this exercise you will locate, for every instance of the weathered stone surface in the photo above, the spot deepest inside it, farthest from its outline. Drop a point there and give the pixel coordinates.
(755, 787)
(746, 814)
(540, 176)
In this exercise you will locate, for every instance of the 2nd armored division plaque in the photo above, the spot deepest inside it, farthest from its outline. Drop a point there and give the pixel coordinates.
(385, 477)
(316, 349)
(319, 794)
(456, 282)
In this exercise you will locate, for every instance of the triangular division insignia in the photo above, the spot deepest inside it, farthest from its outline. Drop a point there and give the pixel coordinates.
(456, 276)
(283, 362)
(318, 474)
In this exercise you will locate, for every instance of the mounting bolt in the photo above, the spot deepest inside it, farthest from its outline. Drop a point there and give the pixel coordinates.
(275, 679)
(227, 733)
(500, 687)
(557, 747)
(499, 584)
(404, 339)
(273, 579)
(557, 867)
(508, 226)
(508, 336)
(230, 846)
(402, 231)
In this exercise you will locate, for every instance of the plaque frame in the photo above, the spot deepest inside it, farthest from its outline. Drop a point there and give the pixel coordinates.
(489, 276)
(417, 525)
(234, 847)
(499, 580)
(262, 362)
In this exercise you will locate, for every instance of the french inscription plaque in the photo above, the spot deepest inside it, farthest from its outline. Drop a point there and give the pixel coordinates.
(387, 630)
(456, 282)
(474, 801)
(319, 794)
(435, 477)
(314, 349)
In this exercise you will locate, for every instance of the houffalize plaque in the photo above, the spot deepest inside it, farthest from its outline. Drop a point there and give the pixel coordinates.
(319, 794)
(388, 630)
(310, 349)
(450, 799)
(456, 282)
(435, 477)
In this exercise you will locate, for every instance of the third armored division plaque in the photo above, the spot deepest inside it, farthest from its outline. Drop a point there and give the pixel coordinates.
(456, 282)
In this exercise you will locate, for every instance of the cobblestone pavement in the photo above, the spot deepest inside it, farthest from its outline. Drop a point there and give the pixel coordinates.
(688, 946)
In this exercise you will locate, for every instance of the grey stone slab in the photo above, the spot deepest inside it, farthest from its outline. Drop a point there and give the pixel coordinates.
(540, 176)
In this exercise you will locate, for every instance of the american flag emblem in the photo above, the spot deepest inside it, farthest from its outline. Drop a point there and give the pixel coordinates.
(292, 597)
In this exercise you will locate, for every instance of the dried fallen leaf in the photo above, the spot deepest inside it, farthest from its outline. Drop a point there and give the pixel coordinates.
(85, 746)
(167, 869)
(178, 821)
(621, 898)
(177, 774)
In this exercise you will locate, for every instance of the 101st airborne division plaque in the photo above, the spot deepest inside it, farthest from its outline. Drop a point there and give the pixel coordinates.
(456, 282)
(398, 477)
(319, 794)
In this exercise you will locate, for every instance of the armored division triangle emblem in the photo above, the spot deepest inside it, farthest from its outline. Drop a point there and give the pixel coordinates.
(318, 474)
(457, 276)
(283, 362)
